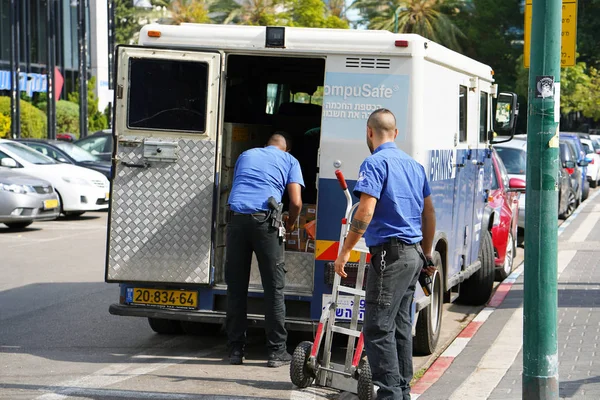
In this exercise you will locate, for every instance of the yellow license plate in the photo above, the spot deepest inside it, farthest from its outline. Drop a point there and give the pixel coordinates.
(49, 204)
(170, 298)
(106, 196)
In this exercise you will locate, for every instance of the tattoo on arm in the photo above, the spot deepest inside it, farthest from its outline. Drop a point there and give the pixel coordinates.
(358, 226)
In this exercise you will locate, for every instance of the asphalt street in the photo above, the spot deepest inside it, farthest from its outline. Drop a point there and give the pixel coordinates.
(58, 341)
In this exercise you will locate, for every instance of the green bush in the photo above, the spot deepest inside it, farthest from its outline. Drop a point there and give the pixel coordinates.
(67, 117)
(33, 120)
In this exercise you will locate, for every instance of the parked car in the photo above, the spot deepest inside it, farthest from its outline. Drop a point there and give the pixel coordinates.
(569, 181)
(25, 199)
(100, 144)
(514, 157)
(582, 161)
(79, 189)
(504, 197)
(593, 167)
(66, 152)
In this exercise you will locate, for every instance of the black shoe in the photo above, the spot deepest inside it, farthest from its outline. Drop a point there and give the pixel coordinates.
(236, 356)
(279, 359)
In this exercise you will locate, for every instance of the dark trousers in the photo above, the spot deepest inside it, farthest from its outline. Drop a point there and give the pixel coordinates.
(247, 234)
(387, 324)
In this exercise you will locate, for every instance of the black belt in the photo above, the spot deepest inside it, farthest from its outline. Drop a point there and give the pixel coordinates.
(393, 242)
(256, 214)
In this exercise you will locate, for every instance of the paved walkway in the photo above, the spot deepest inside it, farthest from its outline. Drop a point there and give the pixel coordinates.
(490, 365)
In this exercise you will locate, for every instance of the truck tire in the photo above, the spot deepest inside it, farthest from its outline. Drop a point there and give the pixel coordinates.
(478, 288)
(165, 326)
(429, 321)
(365, 381)
(300, 374)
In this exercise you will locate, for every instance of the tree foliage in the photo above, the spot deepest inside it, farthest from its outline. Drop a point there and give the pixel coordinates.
(429, 18)
(33, 120)
(96, 119)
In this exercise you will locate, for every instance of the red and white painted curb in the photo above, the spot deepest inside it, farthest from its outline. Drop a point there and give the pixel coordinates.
(443, 362)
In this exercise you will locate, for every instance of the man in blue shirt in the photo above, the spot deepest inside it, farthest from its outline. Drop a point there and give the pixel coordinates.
(260, 173)
(397, 217)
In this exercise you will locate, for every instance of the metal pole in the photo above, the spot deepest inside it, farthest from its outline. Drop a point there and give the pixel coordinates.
(111, 41)
(51, 63)
(15, 70)
(540, 341)
(82, 36)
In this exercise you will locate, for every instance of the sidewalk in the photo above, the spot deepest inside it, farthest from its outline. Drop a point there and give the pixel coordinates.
(488, 364)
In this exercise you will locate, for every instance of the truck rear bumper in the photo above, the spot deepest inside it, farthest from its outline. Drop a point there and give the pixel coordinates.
(213, 317)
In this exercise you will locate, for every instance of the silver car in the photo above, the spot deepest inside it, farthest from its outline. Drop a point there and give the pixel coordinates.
(24, 199)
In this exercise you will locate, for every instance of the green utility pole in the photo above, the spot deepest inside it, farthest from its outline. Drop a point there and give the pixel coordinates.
(540, 341)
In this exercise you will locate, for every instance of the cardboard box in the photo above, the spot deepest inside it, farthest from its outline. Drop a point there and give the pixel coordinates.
(309, 211)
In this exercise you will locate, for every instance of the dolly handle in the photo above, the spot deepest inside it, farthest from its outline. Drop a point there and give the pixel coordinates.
(341, 179)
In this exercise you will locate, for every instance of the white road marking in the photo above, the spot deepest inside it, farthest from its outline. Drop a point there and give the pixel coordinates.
(502, 353)
(116, 373)
(456, 347)
(495, 362)
(484, 314)
(585, 228)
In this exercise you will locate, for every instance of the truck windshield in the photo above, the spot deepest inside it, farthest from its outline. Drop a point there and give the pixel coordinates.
(515, 160)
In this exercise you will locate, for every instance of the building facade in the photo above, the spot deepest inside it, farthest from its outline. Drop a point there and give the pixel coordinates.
(33, 49)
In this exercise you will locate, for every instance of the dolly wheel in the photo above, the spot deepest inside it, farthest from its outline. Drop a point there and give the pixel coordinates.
(300, 374)
(365, 381)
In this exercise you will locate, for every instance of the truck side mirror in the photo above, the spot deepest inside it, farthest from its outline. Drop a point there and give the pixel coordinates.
(505, 116)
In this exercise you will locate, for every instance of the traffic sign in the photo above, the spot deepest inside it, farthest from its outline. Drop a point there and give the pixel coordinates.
(568, 34)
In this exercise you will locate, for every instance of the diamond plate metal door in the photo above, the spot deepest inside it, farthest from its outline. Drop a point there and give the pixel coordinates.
(162, 216)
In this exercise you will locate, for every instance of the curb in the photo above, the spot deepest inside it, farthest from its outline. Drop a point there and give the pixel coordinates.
(443, 362)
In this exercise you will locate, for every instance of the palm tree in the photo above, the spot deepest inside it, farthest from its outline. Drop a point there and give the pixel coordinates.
(255, 12)
(423, 17)
(337, 8)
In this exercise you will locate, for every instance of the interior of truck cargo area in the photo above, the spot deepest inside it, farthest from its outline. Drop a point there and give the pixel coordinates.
(265, 95)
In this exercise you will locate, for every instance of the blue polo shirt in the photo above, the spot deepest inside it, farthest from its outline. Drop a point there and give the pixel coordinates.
(399, 184)
(259, 174)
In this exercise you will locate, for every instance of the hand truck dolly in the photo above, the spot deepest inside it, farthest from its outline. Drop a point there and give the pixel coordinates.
(307, 364)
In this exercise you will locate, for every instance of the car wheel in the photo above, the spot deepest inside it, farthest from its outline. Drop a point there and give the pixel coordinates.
(73, 214)
(593, 184)
(429, 320)
(509, 259)
(18, 225)
(571, 206)
(586, 191)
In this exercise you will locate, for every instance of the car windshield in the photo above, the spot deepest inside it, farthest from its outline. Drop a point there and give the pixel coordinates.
(27, 154)
(515, 160)
(77, 153)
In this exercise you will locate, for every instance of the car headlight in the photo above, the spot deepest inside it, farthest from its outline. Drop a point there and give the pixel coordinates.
(76, 181)
(14, 188)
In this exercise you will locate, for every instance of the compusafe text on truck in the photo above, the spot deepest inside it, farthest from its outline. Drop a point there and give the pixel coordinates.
(190, 98)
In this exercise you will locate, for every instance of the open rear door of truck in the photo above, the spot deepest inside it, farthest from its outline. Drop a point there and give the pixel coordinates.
(165, 160)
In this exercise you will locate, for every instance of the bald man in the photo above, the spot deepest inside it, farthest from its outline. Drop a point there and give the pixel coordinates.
(397, 217)
(260, 173)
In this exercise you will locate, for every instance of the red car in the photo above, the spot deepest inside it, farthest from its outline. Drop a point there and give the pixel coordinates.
(504, 198)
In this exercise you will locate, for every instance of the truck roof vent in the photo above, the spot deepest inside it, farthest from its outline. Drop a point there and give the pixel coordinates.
(367, 62)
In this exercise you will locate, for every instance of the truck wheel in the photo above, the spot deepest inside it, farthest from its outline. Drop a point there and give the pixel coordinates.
(593, 184)
(429, 320)
(300, 374)
(365, 381)
(509, 259)
(478, 288)
(165, 326)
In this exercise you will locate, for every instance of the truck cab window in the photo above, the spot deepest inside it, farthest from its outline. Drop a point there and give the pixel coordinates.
(167, 95)
(462, 113)
(483, 116)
